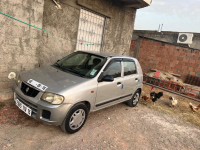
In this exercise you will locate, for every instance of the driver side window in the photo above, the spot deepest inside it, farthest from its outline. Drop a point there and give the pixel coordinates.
(113, 69)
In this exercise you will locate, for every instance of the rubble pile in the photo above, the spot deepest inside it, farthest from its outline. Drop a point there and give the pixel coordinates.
(166, 76)
(171, 77)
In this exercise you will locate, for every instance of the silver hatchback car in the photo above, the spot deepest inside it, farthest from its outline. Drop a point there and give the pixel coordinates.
(64, 93)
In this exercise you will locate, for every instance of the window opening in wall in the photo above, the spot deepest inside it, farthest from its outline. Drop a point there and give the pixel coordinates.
(90, 31)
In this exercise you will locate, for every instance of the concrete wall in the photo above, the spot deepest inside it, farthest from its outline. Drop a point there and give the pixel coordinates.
(63, 25)
(167, 57)
(117, 36)
(24, 47)
(18, 42)
(166, 36)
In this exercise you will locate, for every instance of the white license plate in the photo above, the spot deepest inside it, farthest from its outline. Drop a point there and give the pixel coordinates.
(37, 85)
(23, 107)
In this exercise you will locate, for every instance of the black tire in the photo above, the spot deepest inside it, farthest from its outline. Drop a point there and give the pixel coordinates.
(66, 123)
(133, 102)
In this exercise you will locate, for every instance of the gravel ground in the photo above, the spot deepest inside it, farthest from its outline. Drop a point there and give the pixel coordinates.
(118, 127)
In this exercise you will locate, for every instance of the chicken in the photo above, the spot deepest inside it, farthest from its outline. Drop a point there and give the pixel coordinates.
(174, 101)
(194, 108)
(146, 98)
(155, 96)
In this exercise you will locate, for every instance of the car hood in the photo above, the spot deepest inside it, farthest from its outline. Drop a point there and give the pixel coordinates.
(56, 80)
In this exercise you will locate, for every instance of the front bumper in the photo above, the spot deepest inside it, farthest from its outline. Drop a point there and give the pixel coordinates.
(56, 113)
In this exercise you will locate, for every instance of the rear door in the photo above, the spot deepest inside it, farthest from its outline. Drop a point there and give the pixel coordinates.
(130, 77)
(110, 92)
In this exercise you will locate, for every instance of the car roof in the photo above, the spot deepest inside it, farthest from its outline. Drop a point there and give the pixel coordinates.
(107, 54)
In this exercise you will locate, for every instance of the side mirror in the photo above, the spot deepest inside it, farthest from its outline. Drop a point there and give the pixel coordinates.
(107, 78)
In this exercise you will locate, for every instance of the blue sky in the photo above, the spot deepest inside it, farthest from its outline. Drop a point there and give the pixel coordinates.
(175, 15)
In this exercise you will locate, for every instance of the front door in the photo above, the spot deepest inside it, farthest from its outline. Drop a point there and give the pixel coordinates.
(109, 92)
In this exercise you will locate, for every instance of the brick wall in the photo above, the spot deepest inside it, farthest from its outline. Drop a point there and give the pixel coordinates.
(166, 36)
(168, 57)
(133, 44)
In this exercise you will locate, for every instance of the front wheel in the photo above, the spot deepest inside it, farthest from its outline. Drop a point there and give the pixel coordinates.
(75, 118)
(134, 100)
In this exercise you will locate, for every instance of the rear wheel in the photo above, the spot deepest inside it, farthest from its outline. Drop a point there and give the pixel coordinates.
(135, 99)
(75, 118)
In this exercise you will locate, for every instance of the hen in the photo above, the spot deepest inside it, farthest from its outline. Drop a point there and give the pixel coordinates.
(194, 108)
(146, 98)
(155, 96)
(174, 101)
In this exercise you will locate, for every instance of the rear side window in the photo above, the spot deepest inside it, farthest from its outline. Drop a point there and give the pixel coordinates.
(129, 67)
(113, 69)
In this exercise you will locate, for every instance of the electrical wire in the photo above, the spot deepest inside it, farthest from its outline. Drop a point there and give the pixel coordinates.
(82, 42)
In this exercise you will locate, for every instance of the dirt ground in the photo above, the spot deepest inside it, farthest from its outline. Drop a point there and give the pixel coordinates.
(120, 127)
(182, 110)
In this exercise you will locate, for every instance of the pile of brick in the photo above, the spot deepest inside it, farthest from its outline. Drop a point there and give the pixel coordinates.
(166, 76)
(171, 78)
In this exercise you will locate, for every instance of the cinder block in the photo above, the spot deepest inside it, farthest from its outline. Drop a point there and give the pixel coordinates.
(14, 68)
(7, 58)
(26, 3)
(34, 43)
(2, 39)
(12, 40)
(6, 95)
(21, 59)
(30, 52)
(34, 33)
(6, 85)
(41, 1)
(25, 41)
(15, 31)
(28, 66)
(3, 68)
(15, 2)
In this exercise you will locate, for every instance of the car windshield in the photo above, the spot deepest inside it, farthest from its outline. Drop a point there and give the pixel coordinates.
(82, 64)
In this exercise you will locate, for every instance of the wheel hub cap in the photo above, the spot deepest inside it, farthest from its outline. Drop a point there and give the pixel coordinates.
(136, 98)
(77, 119)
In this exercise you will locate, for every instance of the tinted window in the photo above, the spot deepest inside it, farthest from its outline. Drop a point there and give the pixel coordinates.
(94, 59)
(75, 60)
(129, 68)
(113, 69)
(82, 64)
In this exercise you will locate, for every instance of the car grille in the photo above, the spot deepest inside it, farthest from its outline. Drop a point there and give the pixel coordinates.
(29, 91)
(28, 104)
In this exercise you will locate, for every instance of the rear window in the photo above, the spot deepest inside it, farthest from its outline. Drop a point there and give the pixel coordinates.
(129, 67)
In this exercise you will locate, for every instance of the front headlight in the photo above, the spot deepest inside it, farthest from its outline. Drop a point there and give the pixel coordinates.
(18, 80)
(52, 98)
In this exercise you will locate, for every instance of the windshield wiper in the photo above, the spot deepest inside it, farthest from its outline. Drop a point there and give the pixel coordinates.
(74, 71)
(58, 65)
(68, 69)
